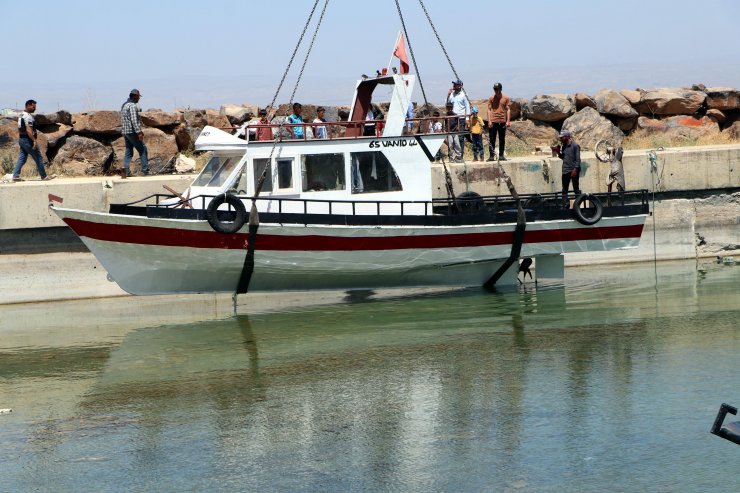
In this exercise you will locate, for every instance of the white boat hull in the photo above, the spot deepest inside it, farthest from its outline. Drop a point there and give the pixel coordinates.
(156, 256)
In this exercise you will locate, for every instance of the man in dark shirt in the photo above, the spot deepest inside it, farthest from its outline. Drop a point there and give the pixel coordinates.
(570, 153)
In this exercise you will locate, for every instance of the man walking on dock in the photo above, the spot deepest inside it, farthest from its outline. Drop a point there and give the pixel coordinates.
(27, 140)
(132, 133)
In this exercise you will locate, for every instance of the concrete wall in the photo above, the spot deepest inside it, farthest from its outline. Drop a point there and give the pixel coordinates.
(25, 204)
(679, 169)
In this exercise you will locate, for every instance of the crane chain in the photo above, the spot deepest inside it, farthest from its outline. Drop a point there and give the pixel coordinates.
(444, 50)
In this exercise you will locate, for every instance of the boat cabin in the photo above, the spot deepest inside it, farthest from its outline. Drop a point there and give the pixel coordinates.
(392, 163)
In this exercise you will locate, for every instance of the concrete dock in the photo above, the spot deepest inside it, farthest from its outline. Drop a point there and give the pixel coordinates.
(696, 214)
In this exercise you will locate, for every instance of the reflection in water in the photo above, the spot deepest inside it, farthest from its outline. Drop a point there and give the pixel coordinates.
(537, 389)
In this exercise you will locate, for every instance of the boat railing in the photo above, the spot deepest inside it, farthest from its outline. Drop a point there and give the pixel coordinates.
(466, 204)
(286, 131)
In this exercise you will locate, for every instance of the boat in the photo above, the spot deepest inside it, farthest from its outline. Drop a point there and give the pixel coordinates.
(353, 210)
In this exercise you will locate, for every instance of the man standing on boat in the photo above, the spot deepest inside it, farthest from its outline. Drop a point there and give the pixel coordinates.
(133, 136)
(297, 118)
(499, 116)
(460, 107)
(570, 153)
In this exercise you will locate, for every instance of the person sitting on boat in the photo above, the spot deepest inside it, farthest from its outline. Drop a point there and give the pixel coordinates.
(296, 118)
(320, 130)
(570, 153)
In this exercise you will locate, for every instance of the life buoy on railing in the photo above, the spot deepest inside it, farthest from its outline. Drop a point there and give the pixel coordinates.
(587, 215)
(222, 226)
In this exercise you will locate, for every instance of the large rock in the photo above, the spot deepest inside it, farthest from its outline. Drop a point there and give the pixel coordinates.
(733, 131)
(534, 133)
(97, 122)
(610, 102)
(8, 133)
(160, 118)
(239, 113)
(184, 164)
(681, 127)
(716, 115)
(549, 107)
(215, 119)
(589, 127)
(723, 98)
(60, 117)
(162, 148)
(188, 131)
(670, 102)
(183, 138)
(583, 101)
(55, 133)
(632, 96)
(516, 107)
(83, 156)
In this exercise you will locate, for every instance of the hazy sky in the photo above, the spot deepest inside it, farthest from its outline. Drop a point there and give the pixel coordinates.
(84, 54)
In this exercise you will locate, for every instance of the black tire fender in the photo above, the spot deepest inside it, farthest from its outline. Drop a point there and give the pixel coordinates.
(222, 226)
(579, 213)
(470, 202)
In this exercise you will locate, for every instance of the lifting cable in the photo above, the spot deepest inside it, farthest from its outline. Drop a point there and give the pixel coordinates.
(441, 45)
(444, 50)
(300, 39)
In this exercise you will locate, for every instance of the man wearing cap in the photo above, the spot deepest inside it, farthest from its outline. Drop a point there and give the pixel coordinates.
(132, 133)
(570, 153)
(499, 116)
(461, 108)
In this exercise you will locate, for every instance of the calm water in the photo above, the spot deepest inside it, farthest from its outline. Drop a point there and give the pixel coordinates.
(606, 384)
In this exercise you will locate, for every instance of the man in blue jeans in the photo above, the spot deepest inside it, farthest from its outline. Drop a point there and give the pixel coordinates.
(27, 140)
(132, 134)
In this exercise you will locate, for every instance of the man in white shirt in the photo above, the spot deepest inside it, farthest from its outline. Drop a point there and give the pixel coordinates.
(461, 107)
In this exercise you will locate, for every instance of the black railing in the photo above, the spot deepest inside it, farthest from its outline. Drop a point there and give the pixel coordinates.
(630, 202)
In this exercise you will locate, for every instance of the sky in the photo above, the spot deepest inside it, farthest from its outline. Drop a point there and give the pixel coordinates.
(82, 55)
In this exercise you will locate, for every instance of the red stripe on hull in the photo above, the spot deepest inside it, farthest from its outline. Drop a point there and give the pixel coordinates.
(150, 235)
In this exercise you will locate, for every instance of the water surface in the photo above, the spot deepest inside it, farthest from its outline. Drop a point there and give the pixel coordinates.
(605, 384)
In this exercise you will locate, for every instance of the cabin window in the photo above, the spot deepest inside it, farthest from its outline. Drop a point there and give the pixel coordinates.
(216, 171)
(258, 165)
(372, 172)
(285, 173)
(322, 172)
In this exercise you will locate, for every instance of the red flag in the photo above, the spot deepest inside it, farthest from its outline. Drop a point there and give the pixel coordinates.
(400, 52)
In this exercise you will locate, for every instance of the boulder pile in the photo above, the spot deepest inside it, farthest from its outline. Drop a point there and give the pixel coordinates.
(90, 143)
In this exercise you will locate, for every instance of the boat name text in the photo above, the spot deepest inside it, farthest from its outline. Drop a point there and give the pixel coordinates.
(376, 144)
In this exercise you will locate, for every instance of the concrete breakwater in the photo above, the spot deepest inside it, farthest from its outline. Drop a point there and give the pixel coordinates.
(696, 214)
